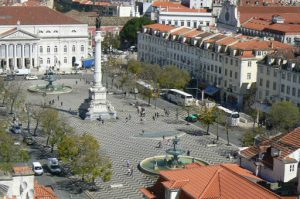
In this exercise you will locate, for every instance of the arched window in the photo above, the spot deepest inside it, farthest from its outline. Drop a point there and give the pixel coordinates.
(48, 49)
(48, 60)
(41, 60)
(82, 48)
(41, 49)
(55, 49)
(55, 31)
(65, 49)
(40, 31)
(73, 30)
(48, 31)
(65, 60)
(73, 48)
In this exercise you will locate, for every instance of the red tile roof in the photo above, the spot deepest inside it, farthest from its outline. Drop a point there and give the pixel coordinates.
(215, 181)
(193, 33)
(181, 31)
(286, 143)
(227, 41)
(160, 27)
(167, 4)
(289, 13)
(256, 44)
(42, 192)
(10, 15)
(180, 9)
(22, 170)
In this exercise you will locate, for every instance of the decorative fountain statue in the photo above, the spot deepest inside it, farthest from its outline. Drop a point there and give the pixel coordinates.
(50, 88)
(174, 159)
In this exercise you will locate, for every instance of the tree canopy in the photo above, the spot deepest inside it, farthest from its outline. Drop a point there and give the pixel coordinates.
(284, 115)
(111, 40)
(173, 77)
(130, 29)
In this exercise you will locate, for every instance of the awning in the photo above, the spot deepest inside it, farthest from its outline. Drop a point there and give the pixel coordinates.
(211, 90)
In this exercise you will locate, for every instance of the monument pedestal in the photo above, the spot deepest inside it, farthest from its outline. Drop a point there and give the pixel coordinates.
(96, 106)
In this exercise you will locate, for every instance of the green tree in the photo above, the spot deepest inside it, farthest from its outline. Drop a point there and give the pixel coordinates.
(173, 77)
(111, 40)
(82, 152)
(249, 136)
(208, 117)
(36, 114)
(150, 72)
(284, 115)
(128, 33)
(14, 95)
(135, 67)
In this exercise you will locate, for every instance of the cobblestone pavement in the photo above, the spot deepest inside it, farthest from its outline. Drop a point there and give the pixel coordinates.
(119, 139)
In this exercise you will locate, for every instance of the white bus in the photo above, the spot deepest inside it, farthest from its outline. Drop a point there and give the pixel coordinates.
(233, 118)
(179, 97)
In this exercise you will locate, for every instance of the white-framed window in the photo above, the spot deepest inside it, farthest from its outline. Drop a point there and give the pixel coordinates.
(249, 63)
(41, 60)
(48, 49)
(48, 31)
(40, 31)
(41, 49)
(65, 60)
(48, 60)
(82, 48)
(73, 48)
(248, 75)
(292, 168)
(65, 49)
(55, 49)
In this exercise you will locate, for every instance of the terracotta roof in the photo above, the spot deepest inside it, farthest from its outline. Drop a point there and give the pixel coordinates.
(214, 181)
(167, 4)
(227, 41)
(181, 31)
(183, 9)
(148, 193)
(256, 44)
(193, 33)
(160, 27)
(10, 15)
(289, 13)
(215, 38)
(22, 170)
(42, 192)
(286, 143)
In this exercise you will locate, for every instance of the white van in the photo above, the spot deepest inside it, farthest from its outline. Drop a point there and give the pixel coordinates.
(37, 168)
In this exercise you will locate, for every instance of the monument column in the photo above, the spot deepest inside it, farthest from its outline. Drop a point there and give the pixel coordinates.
(97, 73)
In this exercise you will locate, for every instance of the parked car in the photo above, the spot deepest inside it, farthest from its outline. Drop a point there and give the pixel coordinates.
(37, 168)
(192, 118)
(53, 166)
(31, 77)
(16, 129)
(29, 140)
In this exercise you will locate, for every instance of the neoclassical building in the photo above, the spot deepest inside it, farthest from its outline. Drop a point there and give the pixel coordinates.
(38, 38)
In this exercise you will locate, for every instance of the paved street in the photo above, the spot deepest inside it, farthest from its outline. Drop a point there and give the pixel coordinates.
(119, 139)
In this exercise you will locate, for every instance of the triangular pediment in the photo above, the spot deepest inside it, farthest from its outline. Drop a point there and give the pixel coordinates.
(17, 34)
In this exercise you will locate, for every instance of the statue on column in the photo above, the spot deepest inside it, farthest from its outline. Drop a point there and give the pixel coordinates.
(98, 22)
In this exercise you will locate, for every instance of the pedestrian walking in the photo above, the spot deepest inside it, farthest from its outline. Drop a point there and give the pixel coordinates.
(188, 153)
(61, 103)
(128, 171)
(53, 101)
(163, 137)
(76, 82)
(127, 163)
(58, 97)
(126, 119)
(131, 171)
(153, 118)
(102, 121)
(129, 117)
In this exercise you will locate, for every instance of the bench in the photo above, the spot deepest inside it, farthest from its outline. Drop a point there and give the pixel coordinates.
(211, 145)
(116, 186)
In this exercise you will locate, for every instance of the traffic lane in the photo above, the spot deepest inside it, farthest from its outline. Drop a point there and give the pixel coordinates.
(63, 186)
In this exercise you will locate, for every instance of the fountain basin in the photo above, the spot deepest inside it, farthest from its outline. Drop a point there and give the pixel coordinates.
(153, 165)
(54, 90)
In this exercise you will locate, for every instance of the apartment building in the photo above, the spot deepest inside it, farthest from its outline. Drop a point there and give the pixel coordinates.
(279, 77)
(227, 63)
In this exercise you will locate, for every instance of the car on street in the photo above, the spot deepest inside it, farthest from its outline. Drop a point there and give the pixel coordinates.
(16, 129)
(29, 140)
(31, 77)
(37, 168)
(53, 166)
(192, 118)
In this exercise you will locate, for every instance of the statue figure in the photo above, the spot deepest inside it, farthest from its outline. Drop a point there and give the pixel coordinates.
(98, 22)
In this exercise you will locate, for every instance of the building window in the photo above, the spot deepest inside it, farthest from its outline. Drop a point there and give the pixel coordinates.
(189, 24)
(292, 168)
(267, 84)
(283, 75)
(65, 60)
(248, 75)
(282, 88)
(48, 60)
(73, 48)
(48, 31)
(55, 49)
(65, 49)
(220, 70)
(267, 93)
(289, 76)
(298, 92)
(275, 74)
(82, 48)
(48, 49)
(73, 30)
(294, 78)
(293, 91)
(230, 73)
(195, 24)
(288, 88)
(41, 62)
(182, 23)
(274, 86)
(268, 71)
(41, 49)
(261, 82)
(249, 63)
(225, 72)
(235, 75)
(261, 69)
(55, 31)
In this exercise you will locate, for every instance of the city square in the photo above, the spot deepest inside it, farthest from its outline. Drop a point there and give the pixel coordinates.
(121, 140)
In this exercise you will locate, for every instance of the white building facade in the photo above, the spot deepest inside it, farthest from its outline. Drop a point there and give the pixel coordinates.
(227, 63)
(38, 42)
(279, 77)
